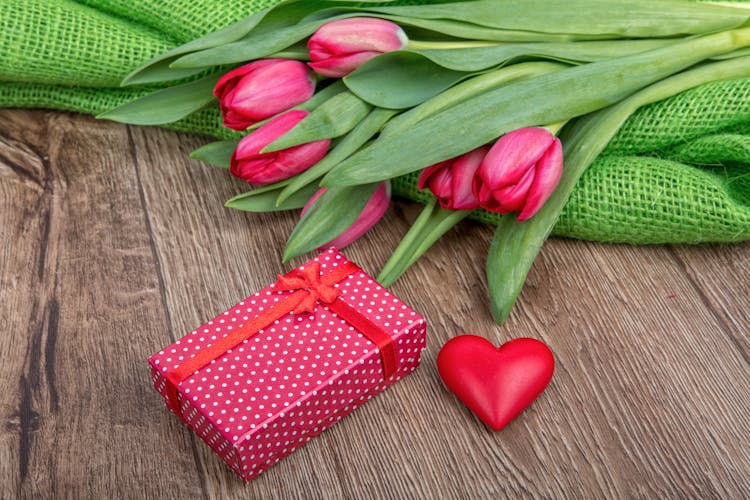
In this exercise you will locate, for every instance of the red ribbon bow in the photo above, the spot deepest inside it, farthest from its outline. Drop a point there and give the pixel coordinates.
(308, 278)
(309, 286)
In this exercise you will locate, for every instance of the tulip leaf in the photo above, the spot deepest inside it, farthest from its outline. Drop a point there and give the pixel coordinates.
(516, 244)
(482, 58)
(333, 118)
(465, 90)
(157, 69)
(547, 98)
(280, 29)
(470, 31)
(216, 153)
(264, 199)
(331, 214)
(347, 146)
(607, 18)
(406, 78)
(167, 105)
(401, 79)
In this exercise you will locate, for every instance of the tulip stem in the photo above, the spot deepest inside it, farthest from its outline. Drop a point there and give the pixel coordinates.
(444, 220)
(385, 277)
(432, 223)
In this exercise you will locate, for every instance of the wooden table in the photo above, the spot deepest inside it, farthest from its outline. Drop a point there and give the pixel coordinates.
(113, 243)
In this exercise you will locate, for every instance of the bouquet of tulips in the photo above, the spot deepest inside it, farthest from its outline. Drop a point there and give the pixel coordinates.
(331, 100)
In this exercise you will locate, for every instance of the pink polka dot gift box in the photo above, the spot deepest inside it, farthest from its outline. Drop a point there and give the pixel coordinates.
(272, 372)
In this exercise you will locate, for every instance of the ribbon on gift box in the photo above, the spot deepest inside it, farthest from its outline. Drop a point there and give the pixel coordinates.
(309, 288)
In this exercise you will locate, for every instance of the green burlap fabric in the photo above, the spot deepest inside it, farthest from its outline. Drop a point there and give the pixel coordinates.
(678, 171)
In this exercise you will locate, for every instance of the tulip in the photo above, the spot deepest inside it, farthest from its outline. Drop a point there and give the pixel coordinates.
(451, 180)
(371, 214)
(261, 89)
(341, 46)
(258, 168)
(520, 172)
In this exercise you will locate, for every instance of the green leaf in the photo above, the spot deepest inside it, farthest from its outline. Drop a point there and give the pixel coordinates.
(470, 31)
(157, 69)
(260, 25)
(465, 90)
(482, 58)
(264, 199)
(347, 146)
(216, 153)
(280, 29)
(333, 118)
(456, 29)
(548, 98)
(516, 244)
(406, 78)
(401, 79)
(330, 215)
(166, 105)
(609, 18)
(158, 72)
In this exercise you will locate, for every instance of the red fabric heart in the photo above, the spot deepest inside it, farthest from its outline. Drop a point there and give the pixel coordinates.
(496, 383)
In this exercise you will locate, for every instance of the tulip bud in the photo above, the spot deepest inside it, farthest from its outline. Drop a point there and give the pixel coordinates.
(520, 172)
(371, 214)
(341, 46)
(261, 89)
(258, 168)
(451, 180)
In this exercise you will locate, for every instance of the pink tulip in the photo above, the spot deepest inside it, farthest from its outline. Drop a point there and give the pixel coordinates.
(520, 172)
(371, 214)
(258, 168)
(261, 89)
(341, 46)
(451, 180)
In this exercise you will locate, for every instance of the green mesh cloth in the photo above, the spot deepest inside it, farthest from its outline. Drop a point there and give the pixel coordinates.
(678, 171)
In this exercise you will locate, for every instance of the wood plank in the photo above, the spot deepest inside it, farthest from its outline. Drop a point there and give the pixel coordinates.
(721, 276)
(650, 397)
(84, 306)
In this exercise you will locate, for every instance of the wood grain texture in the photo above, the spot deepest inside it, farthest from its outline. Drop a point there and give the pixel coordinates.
(113, 243)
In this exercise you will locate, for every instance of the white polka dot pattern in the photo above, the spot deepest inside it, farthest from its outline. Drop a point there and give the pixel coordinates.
(293, 379)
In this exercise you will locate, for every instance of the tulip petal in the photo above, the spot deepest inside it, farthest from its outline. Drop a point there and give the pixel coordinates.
(513, 154)
(549, 170)
(485, 196)
(425, 175)
(271, 89)
(258, 168)
(463, 172)
(261, 89)
(292, 161)
(512, 198)
(440, 185)
(356, 34)
(227, 82)
(253, 143)
(340, 66)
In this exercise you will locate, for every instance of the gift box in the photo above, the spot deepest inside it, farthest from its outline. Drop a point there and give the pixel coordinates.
(266, 376)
